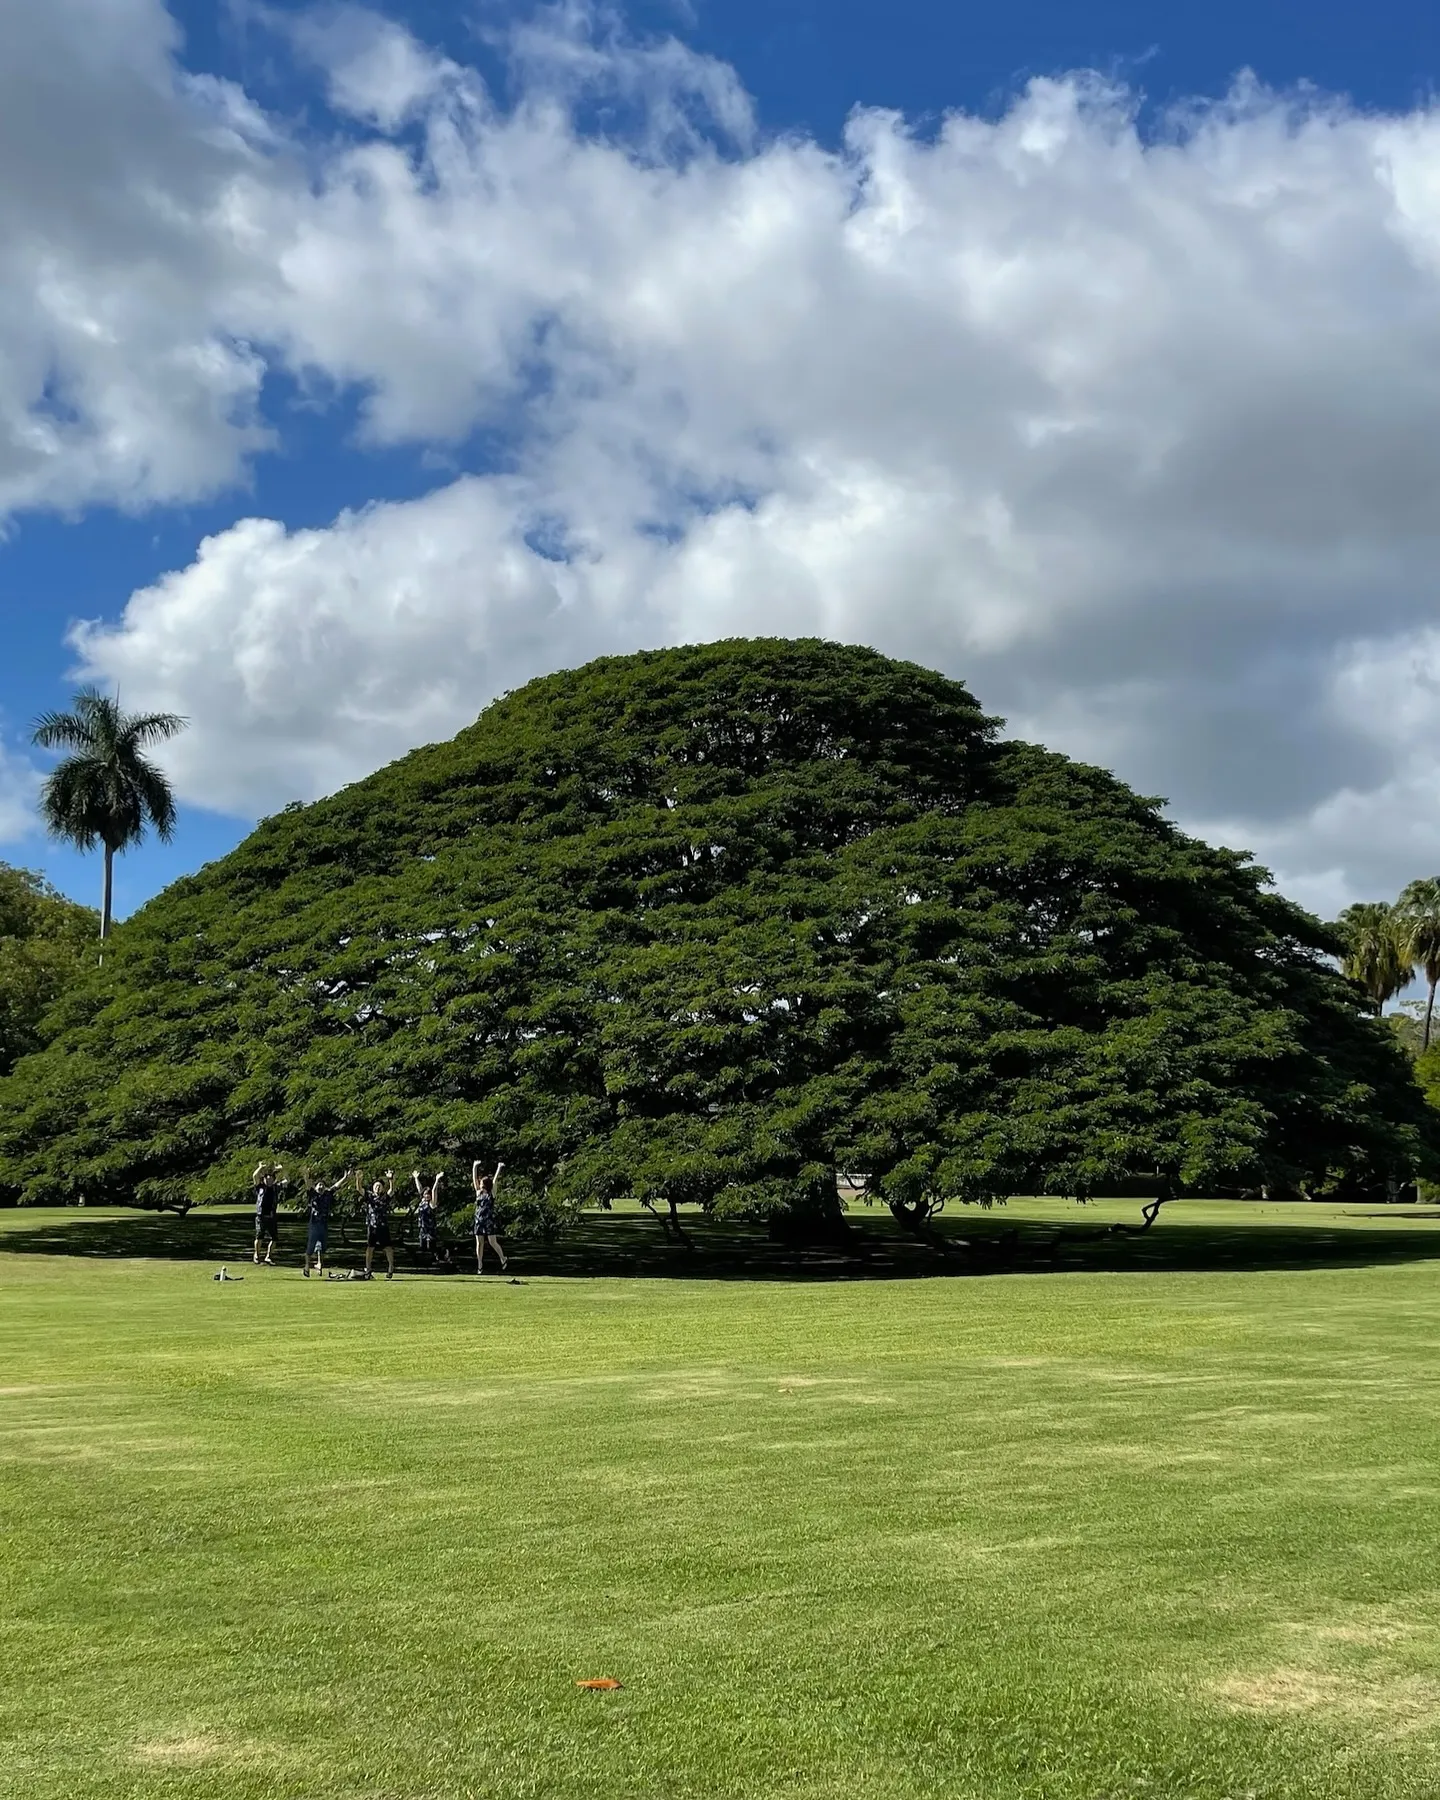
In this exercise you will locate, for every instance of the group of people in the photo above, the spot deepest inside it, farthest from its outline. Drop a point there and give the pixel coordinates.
(378, 1201)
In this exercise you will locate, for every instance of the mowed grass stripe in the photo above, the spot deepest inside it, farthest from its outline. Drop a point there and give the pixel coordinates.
(1059, 1534)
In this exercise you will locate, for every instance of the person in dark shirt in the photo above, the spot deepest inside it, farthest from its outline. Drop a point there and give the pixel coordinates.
(427, 1215)
(377, 1223)
(319, 1198)
(269, 1180)
(485, 1186)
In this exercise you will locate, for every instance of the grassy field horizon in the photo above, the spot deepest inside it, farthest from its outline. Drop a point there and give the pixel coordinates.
(1153, 1517)
(1042, 1234)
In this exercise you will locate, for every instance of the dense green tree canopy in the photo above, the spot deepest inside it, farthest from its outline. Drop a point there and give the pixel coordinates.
(46, 944)
(704, 925)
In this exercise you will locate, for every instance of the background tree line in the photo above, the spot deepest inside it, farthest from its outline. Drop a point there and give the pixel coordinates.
(1386, 945)
(103, 793)
(47, 943)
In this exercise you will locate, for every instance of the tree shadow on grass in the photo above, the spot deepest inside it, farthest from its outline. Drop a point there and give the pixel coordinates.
(637, 1244)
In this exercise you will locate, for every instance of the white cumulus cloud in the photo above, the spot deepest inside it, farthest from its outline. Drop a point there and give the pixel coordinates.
(1139, 434)
(120, 380)
(19, 790)
(303, 658)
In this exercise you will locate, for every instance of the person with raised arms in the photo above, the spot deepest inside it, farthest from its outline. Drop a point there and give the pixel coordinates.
(377, 1223)
(427, 1215)
(269, 1182)
(319, 1198)
(485, 1217)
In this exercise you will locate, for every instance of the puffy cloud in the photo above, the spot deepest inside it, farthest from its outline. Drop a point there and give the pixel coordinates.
(375, 69)
(305, 658)
(19, 788)
(1139, 435)
(1381, 816)
(120, 380)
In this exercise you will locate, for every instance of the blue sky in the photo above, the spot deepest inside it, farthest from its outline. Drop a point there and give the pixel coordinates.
(808, 62)
(1247, 660)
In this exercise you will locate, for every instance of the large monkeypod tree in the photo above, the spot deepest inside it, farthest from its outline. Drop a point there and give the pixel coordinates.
(704, 926)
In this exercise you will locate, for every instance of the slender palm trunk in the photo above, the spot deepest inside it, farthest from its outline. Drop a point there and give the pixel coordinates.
(105, 899)
(1429, 1014)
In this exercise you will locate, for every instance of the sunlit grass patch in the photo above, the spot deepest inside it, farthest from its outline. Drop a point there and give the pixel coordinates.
(1039, 1536)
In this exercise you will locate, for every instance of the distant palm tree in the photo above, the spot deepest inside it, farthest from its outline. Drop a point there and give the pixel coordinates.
(108, 791)
(1418, 913)
(1375, 950)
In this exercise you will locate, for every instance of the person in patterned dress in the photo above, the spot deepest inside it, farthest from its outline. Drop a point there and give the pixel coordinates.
(485, 1217)
(377, 1223)
(427, 1216)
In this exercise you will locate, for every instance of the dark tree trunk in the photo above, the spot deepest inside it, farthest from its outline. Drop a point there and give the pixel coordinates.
(917, 1217)
(106, 893)
(669, 1221)
(814, 1215)
(1429, 1014)
(1149, 1213)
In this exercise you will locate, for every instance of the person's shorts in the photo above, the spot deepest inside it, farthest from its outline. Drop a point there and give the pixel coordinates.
(316, 1238)
(377, 1237)
(267, 1226)
(485, 1224)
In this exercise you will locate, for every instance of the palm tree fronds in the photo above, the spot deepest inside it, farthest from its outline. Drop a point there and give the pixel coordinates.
(1417, 913)
(1376, 956)
(62, 731)
(151, 728)
(156, 801)
(108, 791)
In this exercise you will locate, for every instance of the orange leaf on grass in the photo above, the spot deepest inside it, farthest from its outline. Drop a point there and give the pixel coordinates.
(603, 1681)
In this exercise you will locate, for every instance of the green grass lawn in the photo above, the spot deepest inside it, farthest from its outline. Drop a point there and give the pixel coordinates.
(1143, 1518)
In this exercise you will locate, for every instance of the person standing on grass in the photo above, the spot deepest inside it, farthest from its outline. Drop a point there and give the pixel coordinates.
(427, 1213)
(485, 1186)
(320, 1197)
(269, 1180)
(377, 1223)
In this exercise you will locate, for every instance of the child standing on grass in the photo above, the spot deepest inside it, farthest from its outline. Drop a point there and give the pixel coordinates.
(269, 1180)
(485, 1217)
(427, 1213)
(377, 1224)
(320, 1197)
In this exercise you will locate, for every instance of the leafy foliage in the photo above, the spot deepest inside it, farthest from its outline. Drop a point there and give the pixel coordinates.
(703, 925)
(1375, 949)
(107, 790)
(1417, 915)
(46, 944)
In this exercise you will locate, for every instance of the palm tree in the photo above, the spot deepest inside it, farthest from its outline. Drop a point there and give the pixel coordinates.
(1418, 913)
(1375, 950)
(108, 790)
